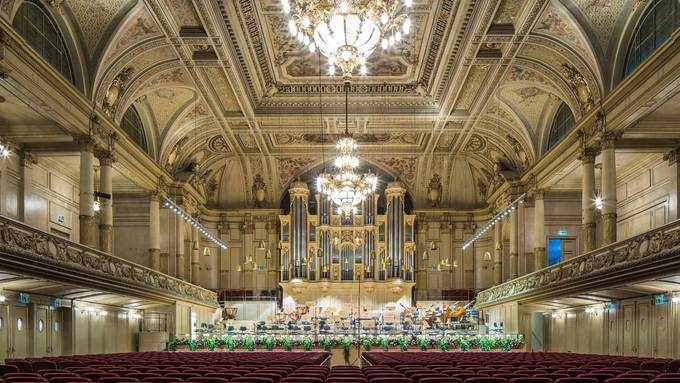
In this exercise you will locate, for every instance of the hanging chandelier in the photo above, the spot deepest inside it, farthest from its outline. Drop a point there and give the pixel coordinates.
(346, 188)
(347, 31)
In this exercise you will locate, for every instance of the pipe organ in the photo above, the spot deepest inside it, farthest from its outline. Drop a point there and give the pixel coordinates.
(329, 246)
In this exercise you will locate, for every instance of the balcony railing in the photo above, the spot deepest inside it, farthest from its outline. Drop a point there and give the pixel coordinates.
(32, 251)
(653, 253)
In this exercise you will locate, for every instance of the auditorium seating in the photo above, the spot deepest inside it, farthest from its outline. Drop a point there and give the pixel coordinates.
(306, 367)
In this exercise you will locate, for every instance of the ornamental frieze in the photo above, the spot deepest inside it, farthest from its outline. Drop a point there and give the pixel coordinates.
(23, 241)
(658, 245)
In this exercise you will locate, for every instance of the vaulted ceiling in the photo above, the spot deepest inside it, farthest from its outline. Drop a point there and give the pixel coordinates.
(226, 94)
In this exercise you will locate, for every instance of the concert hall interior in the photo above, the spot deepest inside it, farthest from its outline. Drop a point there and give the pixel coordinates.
(326, 191)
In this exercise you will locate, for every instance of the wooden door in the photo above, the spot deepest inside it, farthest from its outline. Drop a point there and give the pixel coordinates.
(612, 331)
(4, 322)
(644, 338)
(662, 342)
(55, 332)
(39, 330)
(628, 316)
(19, 331)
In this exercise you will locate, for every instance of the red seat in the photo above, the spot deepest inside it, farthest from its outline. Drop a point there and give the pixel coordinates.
(444, 379)
(65, 379)
(625, 380)
(206, 379)
(576, 380)
(657, 365)
(8, 369)
(182, 375)
(486, 379)
(117, 379)
(252, 379)
(161, 379)
(666, 379)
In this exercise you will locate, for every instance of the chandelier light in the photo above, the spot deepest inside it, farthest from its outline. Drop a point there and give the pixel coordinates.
(347, 32)
(346, 188)
(493, 221)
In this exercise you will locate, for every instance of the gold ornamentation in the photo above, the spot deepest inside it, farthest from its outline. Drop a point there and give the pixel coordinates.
(579, 85)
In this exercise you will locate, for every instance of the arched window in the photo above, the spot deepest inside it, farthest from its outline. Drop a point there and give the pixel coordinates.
(561, 125)
(36, 25)
(132, 125)
(659, 20)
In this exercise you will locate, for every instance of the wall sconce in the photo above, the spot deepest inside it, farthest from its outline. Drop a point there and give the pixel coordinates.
(268, 254)
(433, 245)
(426, 255)
(262, 246)
(486, 259)
(206, 252)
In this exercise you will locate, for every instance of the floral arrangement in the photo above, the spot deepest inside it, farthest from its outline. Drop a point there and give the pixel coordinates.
(230, 342)
(346, 342)
(210, 343)
(444, 342)
(423, 342)
(306, 343)
(384, 342)
(287, 343)
(326, 343)
(484, 344)
(268, 342)
(504, 343)
(366, 342)
(193, 344)
(403, 342)
(249, 343)
(463, 343)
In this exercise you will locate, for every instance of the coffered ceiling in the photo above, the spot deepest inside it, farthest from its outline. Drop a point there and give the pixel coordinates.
(226, 94)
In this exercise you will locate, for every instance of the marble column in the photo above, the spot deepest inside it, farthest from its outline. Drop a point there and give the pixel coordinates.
(179, 247)
(195, 254)
(155, 231)
(86, 207)
(587, 158)
(539, 231)
(106, 204)
(498, 253)
(514, 248)
(608, 190)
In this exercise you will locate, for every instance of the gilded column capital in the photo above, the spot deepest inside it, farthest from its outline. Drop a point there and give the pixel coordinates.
(608, 140)
(28, 159)
(672, 156)
(298, 189)
(587, 154)
(395, 189)
(106, 157)
(85, 141)
(539, 194)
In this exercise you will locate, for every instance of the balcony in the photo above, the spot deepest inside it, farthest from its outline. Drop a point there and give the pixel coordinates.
(654, 254)
(28, 251)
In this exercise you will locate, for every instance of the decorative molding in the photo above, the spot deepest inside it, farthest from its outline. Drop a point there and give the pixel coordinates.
(31, 246)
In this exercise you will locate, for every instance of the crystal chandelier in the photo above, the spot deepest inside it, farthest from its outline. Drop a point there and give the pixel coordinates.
(346, 188)
(347, 31)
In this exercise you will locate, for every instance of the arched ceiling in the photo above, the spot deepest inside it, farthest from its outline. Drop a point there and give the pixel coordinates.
(225, 93)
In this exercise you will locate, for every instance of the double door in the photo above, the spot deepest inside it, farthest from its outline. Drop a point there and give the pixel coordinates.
(645, 329)
(29, 330)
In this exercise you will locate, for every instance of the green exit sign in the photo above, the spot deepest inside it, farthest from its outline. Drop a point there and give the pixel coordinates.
(23, 298)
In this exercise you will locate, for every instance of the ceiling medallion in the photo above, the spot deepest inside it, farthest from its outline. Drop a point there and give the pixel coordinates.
(347, 32)
(346, 188)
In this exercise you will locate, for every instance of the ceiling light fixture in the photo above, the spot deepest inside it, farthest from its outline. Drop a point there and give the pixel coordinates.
(346, 189)
(493, 221)
(347, 32)
(193, 222)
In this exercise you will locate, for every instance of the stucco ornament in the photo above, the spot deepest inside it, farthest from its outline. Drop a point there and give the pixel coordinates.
(434, 190)
(116, 90)
(579, 85)
(259, 191)
(174, 153)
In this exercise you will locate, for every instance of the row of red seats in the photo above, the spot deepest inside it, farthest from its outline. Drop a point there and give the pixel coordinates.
(169, 368)
(521, 368)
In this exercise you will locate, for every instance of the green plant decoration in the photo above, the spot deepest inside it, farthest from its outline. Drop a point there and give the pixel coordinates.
(444, 343)
(484, 343)
(384, 342)
(403, 342)
(230, 342)
(249, 343)
(306, 343)
(505, 344)
(192, 344)
(366, 342)
(286, 343)
(346, 343)
(423, 342)
(463, 344)
(326, 343)
(268, 342)
(172, 346)
(210, 343)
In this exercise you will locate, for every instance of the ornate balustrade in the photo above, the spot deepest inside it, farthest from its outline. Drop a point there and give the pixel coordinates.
(651, 254)
(28, 250)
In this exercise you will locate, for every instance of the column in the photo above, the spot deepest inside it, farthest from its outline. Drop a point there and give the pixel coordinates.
(468, 257)
(179, 246)
(587, 158)
(106, 204)
(86, 216)
(514, 255)
(195, 256)
(539, 231)
(608, 190)
(498, 253)
(395, 193)
(155, 231)
(299, 195)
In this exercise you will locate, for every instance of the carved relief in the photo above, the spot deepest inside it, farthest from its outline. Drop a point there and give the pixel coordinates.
(404, 166)
(476, 143)
(218, 145)
(434, 190)
(579, 85)
(519, 151)
(288, 166)
(116, 90)
(259, 191)
(173, 156)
